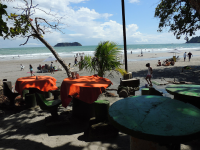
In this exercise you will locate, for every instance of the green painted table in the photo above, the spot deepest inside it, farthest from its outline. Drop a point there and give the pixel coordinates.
(185, 92)
(161, 120)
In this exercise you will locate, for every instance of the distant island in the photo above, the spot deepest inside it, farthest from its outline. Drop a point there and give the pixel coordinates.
(67, 44)
(194, 40)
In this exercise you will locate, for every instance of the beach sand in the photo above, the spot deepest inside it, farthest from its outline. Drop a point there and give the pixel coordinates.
(26, 130)
(11, 70)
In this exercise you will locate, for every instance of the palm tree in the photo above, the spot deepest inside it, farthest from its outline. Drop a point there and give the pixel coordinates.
(105, 59)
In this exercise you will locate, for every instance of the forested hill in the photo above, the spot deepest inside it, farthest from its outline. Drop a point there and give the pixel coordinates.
(194, 40)
(67, 44)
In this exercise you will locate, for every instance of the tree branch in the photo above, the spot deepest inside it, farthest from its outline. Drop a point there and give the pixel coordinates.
(26, 40)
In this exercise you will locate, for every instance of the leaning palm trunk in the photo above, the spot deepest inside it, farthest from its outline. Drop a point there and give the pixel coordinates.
(56, 56)
(37, 34)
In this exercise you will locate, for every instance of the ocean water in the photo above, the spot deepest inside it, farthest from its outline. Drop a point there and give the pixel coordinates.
(70, 51)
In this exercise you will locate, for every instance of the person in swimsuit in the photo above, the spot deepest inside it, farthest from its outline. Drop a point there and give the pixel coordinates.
(52, 70)
(149, 74)
(31, 69)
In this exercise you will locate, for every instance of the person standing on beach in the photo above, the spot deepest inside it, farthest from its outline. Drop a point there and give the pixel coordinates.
(131, 52)
(149, 74)
(31, 69)
(141, 53)
(189, 55)
(184, 56)
(75, 61)
(52, 70)
(22, 67)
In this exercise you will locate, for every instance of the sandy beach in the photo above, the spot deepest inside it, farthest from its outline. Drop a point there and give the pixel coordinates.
(11, 70)
(26, 130)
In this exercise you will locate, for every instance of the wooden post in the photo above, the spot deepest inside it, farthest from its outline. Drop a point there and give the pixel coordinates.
(124, 35)
(24, 92)
(82, 110)
(101, 110)
(30, 100)
(127, 75)
(145, 91)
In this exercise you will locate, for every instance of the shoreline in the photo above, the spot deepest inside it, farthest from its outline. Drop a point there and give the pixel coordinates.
(151, 55)
(24, 53)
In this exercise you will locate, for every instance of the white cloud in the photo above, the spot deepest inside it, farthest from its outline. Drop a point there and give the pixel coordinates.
(87, 26)
(134, 1)
(139, 38)
(34, 44)
(75, 35)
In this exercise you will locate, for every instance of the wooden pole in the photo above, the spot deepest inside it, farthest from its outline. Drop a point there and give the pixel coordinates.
(124, 34)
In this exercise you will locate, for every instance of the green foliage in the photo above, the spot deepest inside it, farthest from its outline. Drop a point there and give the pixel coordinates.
(194, 40)
(3, 25)
(179, 16)
(21, 25)
(105, 59)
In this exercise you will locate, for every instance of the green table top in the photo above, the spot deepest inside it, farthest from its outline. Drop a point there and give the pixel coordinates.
(184, 89)
(156, 118)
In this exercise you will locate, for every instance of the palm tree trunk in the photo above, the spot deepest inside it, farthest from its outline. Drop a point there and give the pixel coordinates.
(37, 34)
(56, 55)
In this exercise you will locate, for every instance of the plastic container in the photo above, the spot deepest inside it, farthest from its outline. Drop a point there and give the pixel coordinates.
(77, 76)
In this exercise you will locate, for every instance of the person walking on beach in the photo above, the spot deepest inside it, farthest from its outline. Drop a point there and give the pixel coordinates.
(189, 55)
(149, 74)
(184, 56)
(75, 61)
(31, 69)
(52, 70)
(141, 53)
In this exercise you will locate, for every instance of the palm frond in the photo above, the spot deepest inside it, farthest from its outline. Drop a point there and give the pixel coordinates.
(122, 71)
(106, 58)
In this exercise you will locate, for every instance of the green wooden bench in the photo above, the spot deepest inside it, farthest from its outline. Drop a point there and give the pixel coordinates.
(50, 105)
(151, 91)
(188, 93)
(101, 110)
(30, 100)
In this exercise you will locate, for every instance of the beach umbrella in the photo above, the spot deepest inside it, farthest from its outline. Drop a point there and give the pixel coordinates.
(174, 51)
(50, 58)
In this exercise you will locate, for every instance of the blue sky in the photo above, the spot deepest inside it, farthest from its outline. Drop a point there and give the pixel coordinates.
(91, 21)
